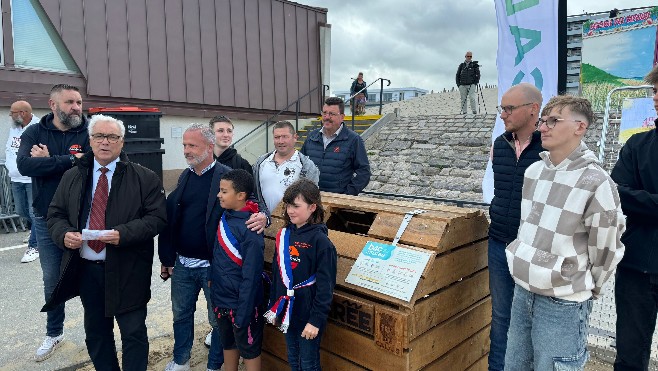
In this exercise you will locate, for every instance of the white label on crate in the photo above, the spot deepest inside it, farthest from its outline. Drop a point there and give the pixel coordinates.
(390, 270)
(132, 129)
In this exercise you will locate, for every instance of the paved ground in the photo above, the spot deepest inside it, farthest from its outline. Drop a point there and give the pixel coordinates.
(23, 327)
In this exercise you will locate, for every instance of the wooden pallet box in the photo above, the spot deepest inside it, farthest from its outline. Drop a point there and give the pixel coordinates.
(447, 320)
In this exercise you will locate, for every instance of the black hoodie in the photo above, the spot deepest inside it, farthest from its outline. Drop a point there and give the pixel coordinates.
(232, 159)
(46, 172)
(313, 253)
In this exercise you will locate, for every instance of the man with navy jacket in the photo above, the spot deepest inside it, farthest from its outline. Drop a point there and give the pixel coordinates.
(338, 152)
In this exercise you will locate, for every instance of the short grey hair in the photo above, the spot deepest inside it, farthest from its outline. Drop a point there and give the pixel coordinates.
(97, 118)
(205, 130)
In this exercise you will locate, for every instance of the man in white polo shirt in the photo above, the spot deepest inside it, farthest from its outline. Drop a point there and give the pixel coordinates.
(275, 171)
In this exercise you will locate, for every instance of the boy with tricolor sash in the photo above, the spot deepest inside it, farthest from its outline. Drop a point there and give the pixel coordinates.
(303, 276)
(236, 272)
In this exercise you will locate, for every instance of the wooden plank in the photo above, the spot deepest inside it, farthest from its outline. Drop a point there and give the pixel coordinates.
(332, 362)
(444, 304)
(430, 233)
(351, 311)
(392, 328)
(451, 267)
(274, 347)
(465, 354)
(420, 232)
(274, 342)
(440, 339)
(481, 365)
(273, 363)
(348, 200)
(360, 349)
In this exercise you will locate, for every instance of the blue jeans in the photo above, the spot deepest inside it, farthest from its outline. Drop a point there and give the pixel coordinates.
(303, 354)
(185, 286)
(547, 333)
(23, 202)
(501, 286)
(50, 257)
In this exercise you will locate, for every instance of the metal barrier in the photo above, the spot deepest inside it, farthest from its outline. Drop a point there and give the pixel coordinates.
(7, 209)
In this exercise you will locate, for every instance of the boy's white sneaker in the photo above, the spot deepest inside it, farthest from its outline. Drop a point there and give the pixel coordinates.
(173, 366)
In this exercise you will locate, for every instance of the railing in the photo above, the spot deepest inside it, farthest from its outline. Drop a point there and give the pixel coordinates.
(270, 120)
(381, 95)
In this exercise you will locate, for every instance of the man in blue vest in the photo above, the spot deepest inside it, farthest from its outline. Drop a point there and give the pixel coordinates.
(513, 151)
(338, 152)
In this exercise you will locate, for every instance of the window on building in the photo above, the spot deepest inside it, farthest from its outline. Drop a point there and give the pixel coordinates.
(36, 43)
(388, 97)
(372, 97)
(401, 96)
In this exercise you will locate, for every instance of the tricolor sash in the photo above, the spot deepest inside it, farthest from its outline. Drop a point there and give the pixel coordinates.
(228, 242)
(285, 302)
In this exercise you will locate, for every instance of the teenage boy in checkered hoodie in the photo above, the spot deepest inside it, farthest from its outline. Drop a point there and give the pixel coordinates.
(568, 244)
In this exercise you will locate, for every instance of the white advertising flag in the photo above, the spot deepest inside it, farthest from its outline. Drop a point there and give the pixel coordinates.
(527, 52)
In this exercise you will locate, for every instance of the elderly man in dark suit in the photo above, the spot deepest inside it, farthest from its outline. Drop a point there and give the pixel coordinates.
(105, 214)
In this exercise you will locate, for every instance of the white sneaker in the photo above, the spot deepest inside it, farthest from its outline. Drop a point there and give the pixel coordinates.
(208, 340)
(31, 254)
(49, 345)
(173, 366)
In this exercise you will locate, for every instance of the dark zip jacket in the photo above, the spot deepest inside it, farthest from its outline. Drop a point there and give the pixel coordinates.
(315, 254)
(235, 287)
(344, 166)
(135, 207)
(636, 175)
(46, 172)
(505, 208)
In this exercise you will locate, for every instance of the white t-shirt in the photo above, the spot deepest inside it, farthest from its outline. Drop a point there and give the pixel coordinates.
(275, 179)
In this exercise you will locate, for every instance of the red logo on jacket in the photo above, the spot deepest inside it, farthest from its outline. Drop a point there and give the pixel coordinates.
(75, 148)
(336, 149)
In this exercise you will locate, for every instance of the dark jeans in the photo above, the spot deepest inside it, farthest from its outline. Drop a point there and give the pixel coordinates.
(186, 283)
(636, 299)
(99, 330)
(22, 193)
(303, 354)
(50, 258)
(501, 286)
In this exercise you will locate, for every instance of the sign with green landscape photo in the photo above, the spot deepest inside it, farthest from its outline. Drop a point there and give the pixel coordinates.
(617, 52)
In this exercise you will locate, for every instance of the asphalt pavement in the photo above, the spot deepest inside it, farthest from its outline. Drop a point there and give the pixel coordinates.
(22, 325)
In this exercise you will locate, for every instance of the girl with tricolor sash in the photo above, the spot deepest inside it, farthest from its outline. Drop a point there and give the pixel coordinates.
(303, 276)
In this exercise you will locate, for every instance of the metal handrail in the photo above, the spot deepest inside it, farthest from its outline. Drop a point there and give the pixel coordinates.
(271, 118)
(381, 94)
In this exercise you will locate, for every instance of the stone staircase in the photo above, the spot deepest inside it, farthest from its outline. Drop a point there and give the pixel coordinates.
(361, 124)
(445, 156)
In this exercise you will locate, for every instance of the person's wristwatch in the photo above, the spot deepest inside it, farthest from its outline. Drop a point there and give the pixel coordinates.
(72, 158)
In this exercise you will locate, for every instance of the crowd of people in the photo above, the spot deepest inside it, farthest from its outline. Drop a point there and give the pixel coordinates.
(560, 226)
(94, 215)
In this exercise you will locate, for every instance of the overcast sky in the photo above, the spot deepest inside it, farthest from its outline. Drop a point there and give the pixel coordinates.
(420, 43)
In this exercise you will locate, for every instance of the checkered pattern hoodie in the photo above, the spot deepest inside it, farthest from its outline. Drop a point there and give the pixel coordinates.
(571, 224)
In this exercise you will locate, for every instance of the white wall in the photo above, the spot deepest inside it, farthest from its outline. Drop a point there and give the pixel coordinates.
(5, 124)
(172, 128)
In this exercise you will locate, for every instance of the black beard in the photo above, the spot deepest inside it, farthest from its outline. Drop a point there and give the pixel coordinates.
(71, 121)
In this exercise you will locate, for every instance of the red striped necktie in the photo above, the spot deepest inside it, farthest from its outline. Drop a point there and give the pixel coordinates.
(98, 206)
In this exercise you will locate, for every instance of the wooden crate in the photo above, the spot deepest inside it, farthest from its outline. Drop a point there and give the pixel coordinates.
(447, 320)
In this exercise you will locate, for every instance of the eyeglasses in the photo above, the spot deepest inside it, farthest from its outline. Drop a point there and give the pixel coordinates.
(112, 138)
(469, 56)
(509, 109)
(552, 121)
(330, 114)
